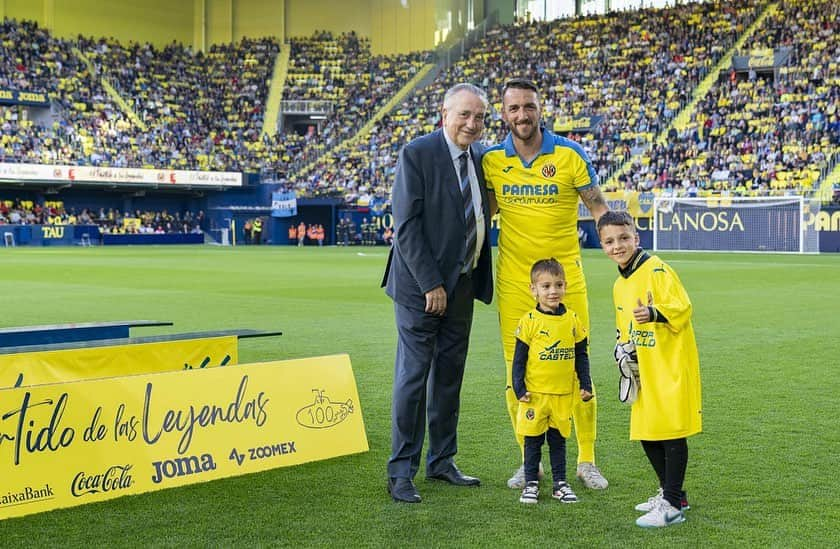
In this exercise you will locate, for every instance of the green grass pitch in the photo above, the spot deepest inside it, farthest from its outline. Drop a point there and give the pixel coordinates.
(762, 474)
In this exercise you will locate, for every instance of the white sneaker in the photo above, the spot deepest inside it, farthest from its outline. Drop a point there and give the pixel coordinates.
(531, 492)
(662, 514)
(653, 500)
(564, 492)
(651, 503)
(591, 476)
(517, 481)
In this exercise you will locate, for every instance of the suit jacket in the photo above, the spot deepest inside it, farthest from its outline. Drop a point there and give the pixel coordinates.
(429, 242)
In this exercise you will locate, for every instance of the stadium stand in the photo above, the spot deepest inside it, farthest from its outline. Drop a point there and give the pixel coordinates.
(178, 95)
(34, 61)
(635, 70)
(761, 133)
(113, 221)
(204, 111)
(613, 82)
(343, 71)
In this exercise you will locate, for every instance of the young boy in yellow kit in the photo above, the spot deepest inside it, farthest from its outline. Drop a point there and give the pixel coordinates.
(550, 356)
(653, 311)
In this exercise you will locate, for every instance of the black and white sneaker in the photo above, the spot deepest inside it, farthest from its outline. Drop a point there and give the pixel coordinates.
(563, 492)
(531, 492)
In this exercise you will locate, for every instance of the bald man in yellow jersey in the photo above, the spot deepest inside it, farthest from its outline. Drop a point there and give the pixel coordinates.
(534, 179)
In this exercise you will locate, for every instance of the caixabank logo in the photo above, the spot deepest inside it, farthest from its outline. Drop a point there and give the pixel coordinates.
(27, 494)
(115, 477)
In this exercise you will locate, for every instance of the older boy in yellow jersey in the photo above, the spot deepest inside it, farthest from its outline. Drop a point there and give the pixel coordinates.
(653, 311)
(534, 179)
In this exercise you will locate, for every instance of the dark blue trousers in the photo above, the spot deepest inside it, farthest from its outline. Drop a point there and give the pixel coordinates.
(428, 371)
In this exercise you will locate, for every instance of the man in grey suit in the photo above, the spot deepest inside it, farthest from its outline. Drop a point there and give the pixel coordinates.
(439, 263)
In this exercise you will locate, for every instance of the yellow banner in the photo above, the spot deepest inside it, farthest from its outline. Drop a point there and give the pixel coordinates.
(633, 202)
(132, 223)
(761, 57)
(36, 368)
(68, 444)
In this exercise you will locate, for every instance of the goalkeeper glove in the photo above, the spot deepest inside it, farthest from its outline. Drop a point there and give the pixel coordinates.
(629, 383)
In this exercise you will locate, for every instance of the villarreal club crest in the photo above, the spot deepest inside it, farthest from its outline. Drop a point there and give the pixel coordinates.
(548, 170)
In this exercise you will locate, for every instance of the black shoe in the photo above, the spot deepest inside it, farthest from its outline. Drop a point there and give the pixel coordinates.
(402, 489)
(453, 475)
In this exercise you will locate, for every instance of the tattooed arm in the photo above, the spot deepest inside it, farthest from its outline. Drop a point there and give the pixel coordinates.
(594, 200)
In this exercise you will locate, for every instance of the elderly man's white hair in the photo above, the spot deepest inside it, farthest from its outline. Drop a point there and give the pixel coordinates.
(450, 93)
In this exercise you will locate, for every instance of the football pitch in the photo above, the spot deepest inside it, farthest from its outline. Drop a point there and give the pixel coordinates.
(762, 474)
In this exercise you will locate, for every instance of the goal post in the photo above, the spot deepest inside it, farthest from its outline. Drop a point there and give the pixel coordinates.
(743, 224)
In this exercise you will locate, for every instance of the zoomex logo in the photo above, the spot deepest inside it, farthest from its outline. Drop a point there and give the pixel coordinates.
(116, 477)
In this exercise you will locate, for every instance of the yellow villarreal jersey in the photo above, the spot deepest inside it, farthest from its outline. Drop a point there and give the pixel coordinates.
(669, 402)
(551, 350)
(538, 201)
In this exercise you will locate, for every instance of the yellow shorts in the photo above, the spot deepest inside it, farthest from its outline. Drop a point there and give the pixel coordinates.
(544, 411)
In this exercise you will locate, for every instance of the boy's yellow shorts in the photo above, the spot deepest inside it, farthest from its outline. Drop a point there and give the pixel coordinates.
(544, 411)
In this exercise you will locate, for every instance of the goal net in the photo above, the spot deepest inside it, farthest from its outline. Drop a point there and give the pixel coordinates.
(744, 224)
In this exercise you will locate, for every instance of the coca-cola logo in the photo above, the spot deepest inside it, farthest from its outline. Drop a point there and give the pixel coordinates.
(116, 477)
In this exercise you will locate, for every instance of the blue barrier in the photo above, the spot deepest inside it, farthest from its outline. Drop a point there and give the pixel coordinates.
(148, 239)
(67, 333)
(69, 235)
(51, 235)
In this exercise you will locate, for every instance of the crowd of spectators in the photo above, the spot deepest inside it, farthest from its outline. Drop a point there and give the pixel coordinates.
(203, 110)
(83, 117)
(150, 222)
(635, 70)
(632, 72)
(200, 110)
(29, 212)
(341, 70)
(760, 133)
(30, 59)
(321, 66)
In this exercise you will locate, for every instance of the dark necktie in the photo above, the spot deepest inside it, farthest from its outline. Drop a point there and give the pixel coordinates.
(469, 212)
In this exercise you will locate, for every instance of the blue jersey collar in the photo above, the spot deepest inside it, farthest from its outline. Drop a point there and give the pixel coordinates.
(546, 148)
